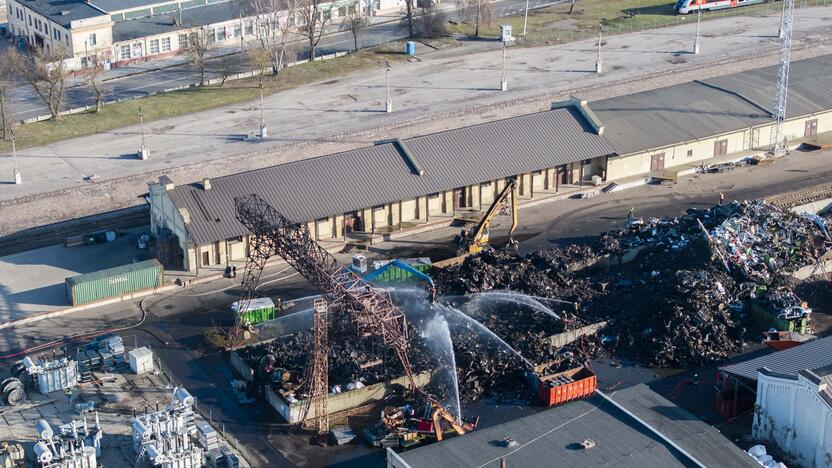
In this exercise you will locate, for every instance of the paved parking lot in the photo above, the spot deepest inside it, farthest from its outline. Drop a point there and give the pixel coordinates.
(33, 281)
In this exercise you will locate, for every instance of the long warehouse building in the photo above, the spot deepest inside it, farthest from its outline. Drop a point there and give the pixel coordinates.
(403, 184)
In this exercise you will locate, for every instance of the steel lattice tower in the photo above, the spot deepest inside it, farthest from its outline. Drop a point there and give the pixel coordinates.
(778, 137)
(317, 374)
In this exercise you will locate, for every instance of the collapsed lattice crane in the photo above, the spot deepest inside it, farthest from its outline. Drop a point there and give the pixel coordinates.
(371, 311)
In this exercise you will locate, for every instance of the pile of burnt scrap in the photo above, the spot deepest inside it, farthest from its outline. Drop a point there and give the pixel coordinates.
(353, 363)
(543, 273)
(675, 291)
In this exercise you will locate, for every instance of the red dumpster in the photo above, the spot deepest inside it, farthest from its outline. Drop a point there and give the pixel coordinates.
(567, 385)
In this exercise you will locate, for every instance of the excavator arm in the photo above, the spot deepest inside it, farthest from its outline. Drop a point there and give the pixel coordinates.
(477, 237)
(439, 414)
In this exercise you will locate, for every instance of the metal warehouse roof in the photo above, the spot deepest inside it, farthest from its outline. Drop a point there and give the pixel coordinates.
(811, 355)
(552, 437)
(688, 111)
(693, 435)
(366, 177)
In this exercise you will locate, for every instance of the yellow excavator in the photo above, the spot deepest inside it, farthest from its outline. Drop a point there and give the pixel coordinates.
(475, 240)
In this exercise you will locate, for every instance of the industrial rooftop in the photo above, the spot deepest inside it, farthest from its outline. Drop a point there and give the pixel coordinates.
(813, 355)
(389, 171)
(620, 439)
(699, 109)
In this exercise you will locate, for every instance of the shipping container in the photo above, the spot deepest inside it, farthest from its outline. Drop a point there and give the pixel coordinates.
(568, 385)
(114, 282)
(258, 311)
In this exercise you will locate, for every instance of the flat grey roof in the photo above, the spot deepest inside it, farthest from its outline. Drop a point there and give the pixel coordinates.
(366, 177)
(63, 12)
(812, 355)
(693, 435)
(688, 111)
(111, 6)
(164, 23)
(552, 437)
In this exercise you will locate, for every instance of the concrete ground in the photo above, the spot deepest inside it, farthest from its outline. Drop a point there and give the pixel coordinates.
(117, 397)
(33, 281)
(444, 89)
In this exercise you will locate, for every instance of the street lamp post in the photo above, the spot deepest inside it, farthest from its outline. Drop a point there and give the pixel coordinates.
(263, 130)
(525, 18)
(17, 177)
(599, 67)
(388, 105)
(503, 77)
(698, 23)
(780, 32)
(144, 153)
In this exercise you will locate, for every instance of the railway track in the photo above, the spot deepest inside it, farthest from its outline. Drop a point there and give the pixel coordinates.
(789, 200)
(43, 236)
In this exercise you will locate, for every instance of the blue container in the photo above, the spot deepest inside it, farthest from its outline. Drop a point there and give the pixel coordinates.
(410, 48)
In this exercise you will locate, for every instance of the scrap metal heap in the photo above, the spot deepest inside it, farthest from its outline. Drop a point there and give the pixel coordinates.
(687, 298)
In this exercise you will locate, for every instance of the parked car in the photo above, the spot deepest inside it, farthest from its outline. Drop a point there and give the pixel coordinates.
(794, 312)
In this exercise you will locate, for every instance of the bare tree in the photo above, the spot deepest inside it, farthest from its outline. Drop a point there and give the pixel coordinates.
(571, 6)
(479, 12)
(314, 16)
(46, 72)
(7, 77)
(197, 49)
(407, 17)
(273, 30)
(355, 22)
(93, 74)
(434, 22)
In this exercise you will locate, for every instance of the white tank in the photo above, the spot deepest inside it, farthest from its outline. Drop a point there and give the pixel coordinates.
(42, 452)
(183, 396)
(44, 430)
(28, 362)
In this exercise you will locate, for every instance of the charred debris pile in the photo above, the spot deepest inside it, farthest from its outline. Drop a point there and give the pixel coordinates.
(353, 363)
(675, 291)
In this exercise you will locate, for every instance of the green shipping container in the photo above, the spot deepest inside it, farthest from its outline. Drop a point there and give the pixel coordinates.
(258, 311)
(114, 282)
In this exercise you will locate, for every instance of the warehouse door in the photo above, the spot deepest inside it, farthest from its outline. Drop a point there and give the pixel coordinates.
(720, 147)
(352, 222)
(811, 128)
(563, 174)
(657, 162)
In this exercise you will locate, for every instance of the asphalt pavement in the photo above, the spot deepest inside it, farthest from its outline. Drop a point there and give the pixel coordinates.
(150, 77)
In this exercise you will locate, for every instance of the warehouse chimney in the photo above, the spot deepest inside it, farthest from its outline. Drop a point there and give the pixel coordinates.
(206, 184)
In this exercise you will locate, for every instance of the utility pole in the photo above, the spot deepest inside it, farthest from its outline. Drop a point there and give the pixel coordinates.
(599, 67)
(782, 18)
(698, 25)
(242, 33)
(17, 177)
(778, 137)
(525, 18)
(144, 153)
(388, 105)
(503, 78)
(263, 130)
